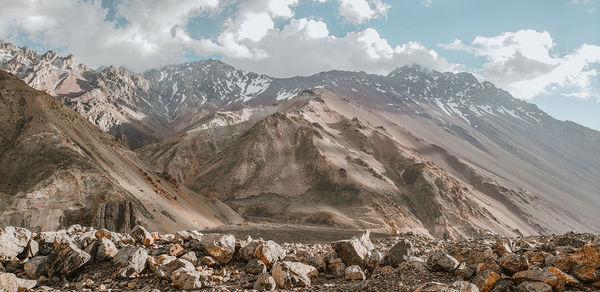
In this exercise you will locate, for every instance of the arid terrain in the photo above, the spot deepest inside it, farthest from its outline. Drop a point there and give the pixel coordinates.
(204, 176)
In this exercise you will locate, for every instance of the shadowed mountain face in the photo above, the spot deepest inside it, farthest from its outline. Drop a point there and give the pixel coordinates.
(58, 169)
(243, 138)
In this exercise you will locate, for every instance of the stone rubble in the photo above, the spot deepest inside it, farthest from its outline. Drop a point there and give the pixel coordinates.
(84, 259)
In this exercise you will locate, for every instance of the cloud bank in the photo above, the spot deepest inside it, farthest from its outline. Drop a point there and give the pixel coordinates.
(523, 62)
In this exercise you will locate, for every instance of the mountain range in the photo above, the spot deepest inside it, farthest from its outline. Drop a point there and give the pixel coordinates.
(441, 154)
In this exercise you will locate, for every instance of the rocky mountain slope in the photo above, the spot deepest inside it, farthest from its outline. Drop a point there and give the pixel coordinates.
(309, 164)
(86, 259)
(59, 169)
(537, 174)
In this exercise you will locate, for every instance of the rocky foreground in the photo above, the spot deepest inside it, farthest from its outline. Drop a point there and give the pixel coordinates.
(85, 259)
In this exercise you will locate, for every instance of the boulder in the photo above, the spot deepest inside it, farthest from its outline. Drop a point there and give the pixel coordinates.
(373, 260)
(459, 286)
(264, 282)
(190, 257)
(164, 267)
(399, 253)
(512, 263)
(32, 249)
(269, 252)
(538, 275)
(11, 283)
(13, 241)
(586, 263)
(209, 261)
(176, 250)
(351, 251)
(568, 279)
(365, 240)
(141, 235)
(337, 268)
(534, 287)
(486, 280)
(505, 285)
(441, 261)
(293, 274)
(247, 251)
(130, 261)
(186, 279)
(354, 273)
(185, 235)
(255, 266)
(66, 259)
(464, 286)
(103, 233)
(219, 246)
(106, 249)
(464, 270)
(36, 267)
(309, 258)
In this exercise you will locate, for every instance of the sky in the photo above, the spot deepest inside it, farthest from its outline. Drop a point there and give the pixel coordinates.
(543, 51)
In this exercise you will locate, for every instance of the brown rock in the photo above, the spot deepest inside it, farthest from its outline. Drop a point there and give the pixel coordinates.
(486, 280)
(540, 276)
(106, 249)
(264, 282)
(130, 261)
(441, 261)
(247, 251)
(293, 274)
(351, 251)
(190, 257)
(536, 256)
(399, 253)
(219, 246)
(176, 250)
(354, 273)
(36, 267)
(209, 261)
(66, 259)
(256, 266)
(465, 271)
(338, 268)
(568, 279)
(186, 279)
(141, 235)
(11, 283)
(103, 233)
(534, 287)
(13, 241)
(269, 252)
(512, 263)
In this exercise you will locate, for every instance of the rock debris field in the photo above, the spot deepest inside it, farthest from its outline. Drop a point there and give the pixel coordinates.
(85, 259)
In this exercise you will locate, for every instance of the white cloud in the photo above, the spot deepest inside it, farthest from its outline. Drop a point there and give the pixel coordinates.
(155, 33)
(254, 26)
(523, 63)
(361, 11)
(305, 47)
